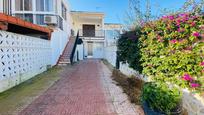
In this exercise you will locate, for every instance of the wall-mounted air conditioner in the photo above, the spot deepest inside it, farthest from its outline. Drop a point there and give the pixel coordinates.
(50, 20)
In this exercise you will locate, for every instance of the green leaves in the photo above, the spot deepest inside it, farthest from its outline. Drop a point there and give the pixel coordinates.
(165, 50)
(160, 97)
(180, 52)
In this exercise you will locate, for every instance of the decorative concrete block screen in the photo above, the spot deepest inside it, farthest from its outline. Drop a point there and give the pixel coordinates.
(21, 58)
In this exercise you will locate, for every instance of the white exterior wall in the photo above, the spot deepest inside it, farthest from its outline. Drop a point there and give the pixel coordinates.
(59, 40)
(98, 50)
(90, 18)
(23, 58)
(80, 19)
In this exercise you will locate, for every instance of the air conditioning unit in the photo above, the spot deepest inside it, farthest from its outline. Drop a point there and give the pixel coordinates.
(50, 19)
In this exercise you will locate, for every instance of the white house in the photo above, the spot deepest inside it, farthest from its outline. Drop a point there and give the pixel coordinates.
(112, 32)
(52, 13)
(27, 49)
(90, 26)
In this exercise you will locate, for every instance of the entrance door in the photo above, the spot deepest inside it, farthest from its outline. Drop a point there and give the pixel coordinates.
(90, 48)
(89, 30)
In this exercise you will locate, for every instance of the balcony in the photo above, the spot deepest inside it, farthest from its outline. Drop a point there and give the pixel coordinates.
(92, 34)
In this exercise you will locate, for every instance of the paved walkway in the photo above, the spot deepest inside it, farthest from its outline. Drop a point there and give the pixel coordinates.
(80, 92)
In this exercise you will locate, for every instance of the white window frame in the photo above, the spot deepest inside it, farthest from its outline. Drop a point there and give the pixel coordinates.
(24, 7)
(44, 7)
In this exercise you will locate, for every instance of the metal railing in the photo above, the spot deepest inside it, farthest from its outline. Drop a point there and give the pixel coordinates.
(74, 49)
(92, 33)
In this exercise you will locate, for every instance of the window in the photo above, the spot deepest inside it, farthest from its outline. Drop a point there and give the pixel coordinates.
(28, 17)
(48, 5)
(7, 7)
(19, 5)
(60, 23)
(28, 5)
(64, 12)
(40, 19)
(44, 5)
(40, 5)
(22, 5)
(19, 16)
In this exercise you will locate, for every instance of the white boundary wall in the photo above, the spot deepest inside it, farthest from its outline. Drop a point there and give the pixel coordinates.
(59, 40)
(110, 54)
(21, 58)
(193, 103)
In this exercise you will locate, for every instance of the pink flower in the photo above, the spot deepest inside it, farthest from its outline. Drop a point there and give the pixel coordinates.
(183, 15)
(185, 19)
(193, 24)
(202, 63)
(194, 85)
(194, 17)
(173, 41)
(179, 30)
(196, 34)
(164, 17)
(171, 17)
(178, 22)
(187, 77)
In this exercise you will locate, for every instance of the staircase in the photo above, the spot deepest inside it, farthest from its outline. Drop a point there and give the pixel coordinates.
(66, 57)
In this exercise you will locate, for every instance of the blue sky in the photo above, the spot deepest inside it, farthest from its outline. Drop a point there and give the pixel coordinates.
(115, 10)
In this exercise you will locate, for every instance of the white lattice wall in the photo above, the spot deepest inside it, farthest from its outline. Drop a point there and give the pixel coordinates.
(21, 58)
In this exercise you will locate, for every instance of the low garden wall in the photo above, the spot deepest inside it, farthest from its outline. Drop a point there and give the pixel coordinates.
(193, 103)
(110, 54)
(21, 58)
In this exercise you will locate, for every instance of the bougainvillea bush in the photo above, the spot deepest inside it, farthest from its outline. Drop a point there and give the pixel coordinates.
(172, 50)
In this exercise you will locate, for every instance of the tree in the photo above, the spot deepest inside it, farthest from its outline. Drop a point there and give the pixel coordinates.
(193, 6)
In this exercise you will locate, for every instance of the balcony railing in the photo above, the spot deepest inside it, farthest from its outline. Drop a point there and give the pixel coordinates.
(93, 34)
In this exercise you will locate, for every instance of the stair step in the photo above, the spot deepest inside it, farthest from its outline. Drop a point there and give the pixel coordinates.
(64, 62)
(65, 57)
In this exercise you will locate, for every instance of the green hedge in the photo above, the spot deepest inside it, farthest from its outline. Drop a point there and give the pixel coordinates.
(128, 49)
(169, 49)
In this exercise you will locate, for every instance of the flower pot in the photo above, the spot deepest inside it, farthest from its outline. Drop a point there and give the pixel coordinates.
(149, 111)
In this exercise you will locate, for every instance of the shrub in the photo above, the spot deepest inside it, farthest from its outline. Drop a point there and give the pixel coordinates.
(161, 98)
(128, 49)
(172, 49)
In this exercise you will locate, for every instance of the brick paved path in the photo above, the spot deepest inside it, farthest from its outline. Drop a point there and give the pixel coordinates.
(77, 93)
